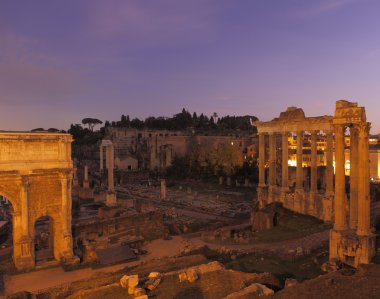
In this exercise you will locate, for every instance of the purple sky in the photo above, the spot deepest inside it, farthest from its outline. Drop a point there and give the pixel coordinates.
(61, 61)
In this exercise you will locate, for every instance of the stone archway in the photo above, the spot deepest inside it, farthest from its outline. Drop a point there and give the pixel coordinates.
(35, 176)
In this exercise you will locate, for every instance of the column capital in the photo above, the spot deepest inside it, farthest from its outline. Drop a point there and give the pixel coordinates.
(25, 181)
(363, 129)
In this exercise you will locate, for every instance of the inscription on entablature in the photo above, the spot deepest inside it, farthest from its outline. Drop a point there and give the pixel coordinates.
(349, 115)
(18, 150)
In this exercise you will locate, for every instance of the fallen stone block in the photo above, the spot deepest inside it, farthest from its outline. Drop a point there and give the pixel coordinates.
(182, 277)
(192, 275)
(133, 280)
(289, 282)
(152, 283)
(124, 281)
(139, 292)
(254, 289)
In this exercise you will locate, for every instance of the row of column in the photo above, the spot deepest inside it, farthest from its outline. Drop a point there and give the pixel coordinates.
(359, 215)
(299, 170)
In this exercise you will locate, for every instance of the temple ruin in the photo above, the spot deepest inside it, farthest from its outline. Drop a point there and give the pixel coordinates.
(351, 239)
(36, 173)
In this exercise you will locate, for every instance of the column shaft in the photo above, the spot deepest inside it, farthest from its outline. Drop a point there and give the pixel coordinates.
(101, 156)
(354, 167)
(364, 201)
(299, 171)
(110, 166)
(25, 206)
(272, 159)
(65, 204)
(285, 157)
(329, 165)
(313, 174)
(261, 160)
(340, 196)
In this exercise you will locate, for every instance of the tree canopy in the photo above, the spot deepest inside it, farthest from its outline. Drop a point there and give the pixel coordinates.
(91, 122)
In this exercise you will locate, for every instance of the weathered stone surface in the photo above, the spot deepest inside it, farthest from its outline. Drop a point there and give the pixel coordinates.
(253, 289)
(36, 177)
(124, 281)
(192, 275)
(289, 282)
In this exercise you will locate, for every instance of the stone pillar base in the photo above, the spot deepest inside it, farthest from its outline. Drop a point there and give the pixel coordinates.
(311, 206)
(350, 248)
(299, 197)
(262, 195)
(23, 258)
(111, 199)
(271, 194)
(283, 196)
(24, 263)
(86, 184)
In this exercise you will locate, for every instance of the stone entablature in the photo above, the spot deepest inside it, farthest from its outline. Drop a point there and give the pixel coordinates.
(295, 122)
(25, 151)
(37, 181)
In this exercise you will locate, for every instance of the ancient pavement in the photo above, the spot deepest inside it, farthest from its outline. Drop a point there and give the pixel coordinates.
(48, 278)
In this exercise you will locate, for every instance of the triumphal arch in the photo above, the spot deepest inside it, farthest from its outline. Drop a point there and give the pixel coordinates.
(35, 176)
(351, 239)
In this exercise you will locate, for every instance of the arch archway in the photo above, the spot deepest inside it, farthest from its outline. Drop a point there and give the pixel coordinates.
(6, 236)
(36, 175)
(43, 239)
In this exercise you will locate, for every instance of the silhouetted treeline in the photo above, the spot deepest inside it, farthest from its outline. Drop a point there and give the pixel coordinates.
(186, 120)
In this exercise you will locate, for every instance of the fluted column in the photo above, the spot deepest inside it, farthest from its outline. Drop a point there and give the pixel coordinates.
(285, 157)
(101, 156)
(272, 159)
(272, 167)
(329, 165)
(64, 204)
(313, 172)
(24, 206)
(261, 160)
(110, 166)
(354, 161)
(340, 196)
(364, 201)
(299, 172)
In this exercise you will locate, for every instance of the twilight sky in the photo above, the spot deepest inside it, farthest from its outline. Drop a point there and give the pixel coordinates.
(61, 61)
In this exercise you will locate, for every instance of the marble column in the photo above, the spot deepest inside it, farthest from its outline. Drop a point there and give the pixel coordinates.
(299, 192)
(86, 183)
(299, 171)
(272, 159)
(340, 195)
(64, 204)
(25, 206)
(110, 167)
(329, 165)
(272, 167)
(101, 156)
(163, 190)
(313, 172)
(262, 160)
(364, 201)
(285, 157)
(354, 178)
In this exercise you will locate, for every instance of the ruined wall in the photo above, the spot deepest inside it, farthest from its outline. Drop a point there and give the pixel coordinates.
(150, 226)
